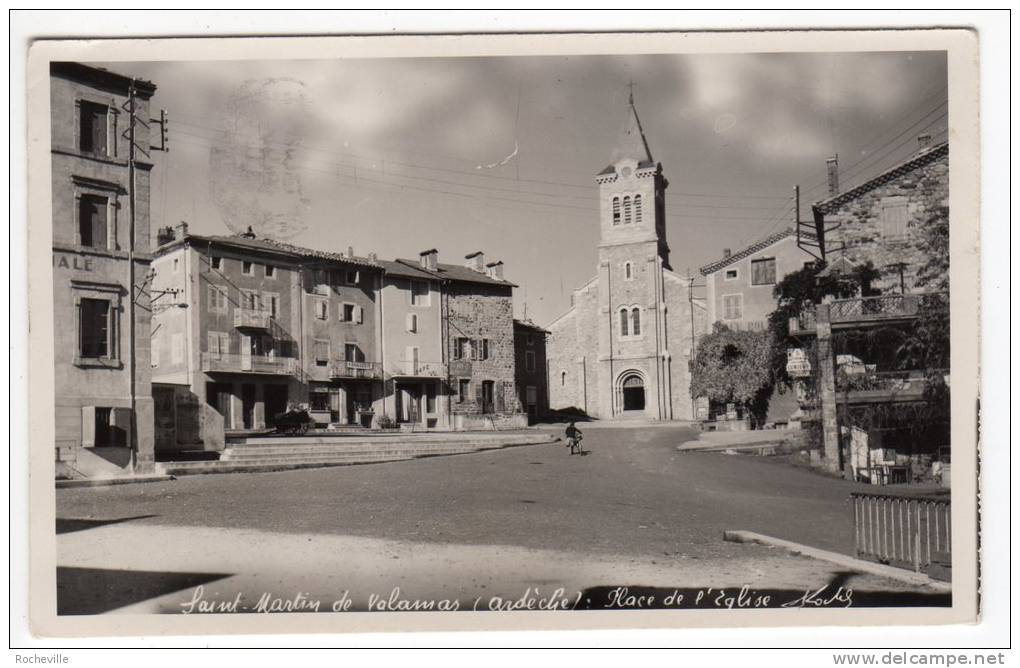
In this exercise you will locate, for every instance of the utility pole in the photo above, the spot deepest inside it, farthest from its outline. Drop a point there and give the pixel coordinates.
(132, 348)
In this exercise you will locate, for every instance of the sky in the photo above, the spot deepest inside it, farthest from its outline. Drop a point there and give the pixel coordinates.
(395, 156)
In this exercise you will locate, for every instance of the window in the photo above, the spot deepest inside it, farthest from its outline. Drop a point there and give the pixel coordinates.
(347, 313)
(628, 271)
(635, 321)
(177, 264)
(271, 302)
(616, 211)
(92, 221)
(216, 262)
(624, 324)
(104, 426)
(92, 129)
(463, 349)
(411, 359)
(320, 281)
(733, 307)
(219, 344)
(217, 299)
(484, 350)
(94, 317)
(637, 209)
(419, 293)
(320, 352)
(318, 400)
(463, 390)
(626, 210)
(412, 322)
(430, 398)
(321, 309)
(894, 218)
(247, 267)
(731, 274)
(353, 353)
(352, 277)
(763, 271)
(250, 300)
(563, 378)
(529, 360)
(270, 271)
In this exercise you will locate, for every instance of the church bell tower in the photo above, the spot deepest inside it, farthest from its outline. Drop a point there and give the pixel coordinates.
(632, 192)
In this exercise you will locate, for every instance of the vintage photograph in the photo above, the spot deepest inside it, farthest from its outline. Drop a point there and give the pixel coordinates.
(657, 330)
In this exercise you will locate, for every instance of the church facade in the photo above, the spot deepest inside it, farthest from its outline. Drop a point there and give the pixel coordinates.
(624, 346)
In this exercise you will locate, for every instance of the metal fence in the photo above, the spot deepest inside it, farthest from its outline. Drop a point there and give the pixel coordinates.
(904, 531)
(873, 308)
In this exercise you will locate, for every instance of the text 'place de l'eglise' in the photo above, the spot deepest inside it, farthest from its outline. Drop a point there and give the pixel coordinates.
(170, 343)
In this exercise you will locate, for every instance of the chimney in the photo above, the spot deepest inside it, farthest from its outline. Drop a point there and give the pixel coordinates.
(429, 259)
(832, 167)
(350, 251)
(475, 261)
(181, 229)
(726, 253)
(923, 142)
(249, 233)
(164, 236)
(495, 269)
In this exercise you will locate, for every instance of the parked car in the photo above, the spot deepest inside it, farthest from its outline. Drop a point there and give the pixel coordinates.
(294, 421)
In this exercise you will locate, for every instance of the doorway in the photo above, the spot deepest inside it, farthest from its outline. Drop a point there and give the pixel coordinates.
(248, 406)
(276, 402)
(218, 396)
(488, 396)
(409, 402)
(633, 393)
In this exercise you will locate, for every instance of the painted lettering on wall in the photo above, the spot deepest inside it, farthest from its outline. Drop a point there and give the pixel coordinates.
(76, 262)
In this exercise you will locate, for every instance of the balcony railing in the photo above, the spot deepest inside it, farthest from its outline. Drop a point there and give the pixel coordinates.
(882, 307)
(235, 363)
(345, 369)
(251, 318)
(864, 385)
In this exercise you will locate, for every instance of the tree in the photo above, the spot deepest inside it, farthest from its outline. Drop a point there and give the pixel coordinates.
(735, 367)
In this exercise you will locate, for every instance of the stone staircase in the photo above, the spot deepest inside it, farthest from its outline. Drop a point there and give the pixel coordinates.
(276, 453)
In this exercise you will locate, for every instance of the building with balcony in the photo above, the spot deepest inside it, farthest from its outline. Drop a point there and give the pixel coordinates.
(875, 410)
(103, 406)
(246, 327)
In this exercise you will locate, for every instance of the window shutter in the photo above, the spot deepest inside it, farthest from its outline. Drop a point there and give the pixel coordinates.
(478, 394)
(500, 399)
(360, 314)
(88, 426)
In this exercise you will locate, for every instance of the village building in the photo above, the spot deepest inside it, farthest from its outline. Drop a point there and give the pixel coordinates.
(870, 400)
(531, 365)
(624, 346)
(101, 255)
(251, 326)
(417, 389)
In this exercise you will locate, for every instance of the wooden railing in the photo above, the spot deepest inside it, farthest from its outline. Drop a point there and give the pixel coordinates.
(903, 531)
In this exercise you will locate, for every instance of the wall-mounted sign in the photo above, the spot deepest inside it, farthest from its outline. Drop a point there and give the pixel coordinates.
(797, 363)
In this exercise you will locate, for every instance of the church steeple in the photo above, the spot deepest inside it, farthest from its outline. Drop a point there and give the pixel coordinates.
(631, 142)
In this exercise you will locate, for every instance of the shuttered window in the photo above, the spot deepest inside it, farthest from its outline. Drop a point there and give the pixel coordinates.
(894, 219)
(320, 349)
(733, 307)
(92, 128)
(763, 271)
(92, 221)
(94, 321)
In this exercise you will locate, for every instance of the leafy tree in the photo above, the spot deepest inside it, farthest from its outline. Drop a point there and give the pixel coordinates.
(735, 367)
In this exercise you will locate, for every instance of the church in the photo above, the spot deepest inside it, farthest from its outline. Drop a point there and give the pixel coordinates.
(624, 346)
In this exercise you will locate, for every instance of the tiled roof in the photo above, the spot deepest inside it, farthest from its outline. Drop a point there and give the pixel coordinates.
(456, 272)
(910, 164)
(527, 324)
(750, 250)
(266, 244)
(398, 268)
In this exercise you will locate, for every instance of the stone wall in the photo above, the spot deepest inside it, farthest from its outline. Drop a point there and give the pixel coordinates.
(478, 311)
(573, 354)
(924, 190)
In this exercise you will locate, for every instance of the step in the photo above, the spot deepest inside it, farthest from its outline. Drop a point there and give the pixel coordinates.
(367, 448)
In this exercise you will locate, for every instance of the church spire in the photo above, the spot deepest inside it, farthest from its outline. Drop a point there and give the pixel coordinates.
(632, 142)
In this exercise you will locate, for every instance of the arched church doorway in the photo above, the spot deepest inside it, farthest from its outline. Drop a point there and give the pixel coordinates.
(633, 391)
